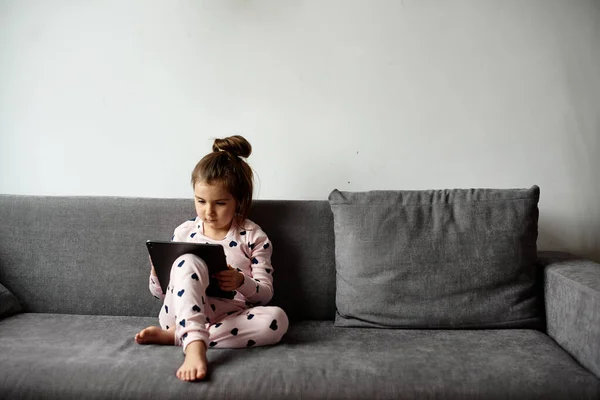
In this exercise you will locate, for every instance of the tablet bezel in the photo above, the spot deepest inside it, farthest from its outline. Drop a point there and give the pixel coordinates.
(164, 253)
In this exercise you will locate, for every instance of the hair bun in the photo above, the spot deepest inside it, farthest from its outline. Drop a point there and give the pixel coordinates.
(236, 145)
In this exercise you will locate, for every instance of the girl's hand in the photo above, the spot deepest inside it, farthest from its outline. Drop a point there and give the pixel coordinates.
(229, 280)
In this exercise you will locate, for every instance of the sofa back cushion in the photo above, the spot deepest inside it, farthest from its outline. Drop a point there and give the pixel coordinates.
(87, 255)
(437, 258)
(9, 304)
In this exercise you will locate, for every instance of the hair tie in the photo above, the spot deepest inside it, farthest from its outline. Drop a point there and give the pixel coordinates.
(230, 153)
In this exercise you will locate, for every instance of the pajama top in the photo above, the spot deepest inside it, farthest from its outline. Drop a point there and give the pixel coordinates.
(247, 248)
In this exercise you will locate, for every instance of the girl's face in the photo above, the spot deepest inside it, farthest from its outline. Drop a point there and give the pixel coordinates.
(216, 207)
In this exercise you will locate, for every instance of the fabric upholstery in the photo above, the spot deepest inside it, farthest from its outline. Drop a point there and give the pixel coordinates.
(70, 356)
(572, 290)
(437, 258)
(9, 305)
(55, 251)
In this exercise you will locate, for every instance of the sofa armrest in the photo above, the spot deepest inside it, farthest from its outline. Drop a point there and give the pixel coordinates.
(572, 298)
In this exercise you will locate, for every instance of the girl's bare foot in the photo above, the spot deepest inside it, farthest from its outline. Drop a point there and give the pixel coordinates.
(195, 365)
(155, 335)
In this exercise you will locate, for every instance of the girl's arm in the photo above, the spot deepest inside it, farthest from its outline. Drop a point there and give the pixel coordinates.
(258, 288)
(153, 282)
(154, 285)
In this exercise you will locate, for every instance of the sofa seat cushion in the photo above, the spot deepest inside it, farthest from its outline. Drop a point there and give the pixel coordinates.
(54, 356)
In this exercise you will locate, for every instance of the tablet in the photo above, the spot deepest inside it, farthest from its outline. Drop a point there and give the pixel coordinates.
(164, 254)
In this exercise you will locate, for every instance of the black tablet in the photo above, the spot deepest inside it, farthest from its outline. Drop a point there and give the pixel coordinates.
(164, 254)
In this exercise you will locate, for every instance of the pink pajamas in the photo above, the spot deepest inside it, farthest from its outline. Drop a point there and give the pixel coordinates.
(222, 323)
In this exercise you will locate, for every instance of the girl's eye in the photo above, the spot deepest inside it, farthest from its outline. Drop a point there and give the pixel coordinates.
(201, 201)
(220, 204)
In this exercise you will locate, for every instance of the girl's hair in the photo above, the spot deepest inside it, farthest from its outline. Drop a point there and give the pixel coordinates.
(225, 166)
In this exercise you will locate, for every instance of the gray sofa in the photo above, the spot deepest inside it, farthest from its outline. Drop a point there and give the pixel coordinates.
(79, 269)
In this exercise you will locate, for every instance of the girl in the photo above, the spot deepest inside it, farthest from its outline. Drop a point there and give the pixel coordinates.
(222, 183)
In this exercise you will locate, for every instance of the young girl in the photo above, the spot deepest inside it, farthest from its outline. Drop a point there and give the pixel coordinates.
(222, 183)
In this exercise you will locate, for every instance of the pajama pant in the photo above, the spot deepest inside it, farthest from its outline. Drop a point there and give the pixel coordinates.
(220, 323)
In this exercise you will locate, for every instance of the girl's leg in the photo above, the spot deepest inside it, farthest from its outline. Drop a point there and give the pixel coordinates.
(189, 280)
(258, 326)
(183, 316)
(187, 308)
(167, 315)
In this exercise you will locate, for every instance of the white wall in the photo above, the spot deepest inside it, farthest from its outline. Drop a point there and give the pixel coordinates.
(122, 98)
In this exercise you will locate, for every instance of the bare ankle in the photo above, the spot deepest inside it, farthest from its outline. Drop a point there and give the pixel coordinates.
(197, 347)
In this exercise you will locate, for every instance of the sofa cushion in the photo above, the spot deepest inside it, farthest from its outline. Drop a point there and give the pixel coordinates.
(75, 356)
(9, 305)
(462, 258)
(95, 247)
